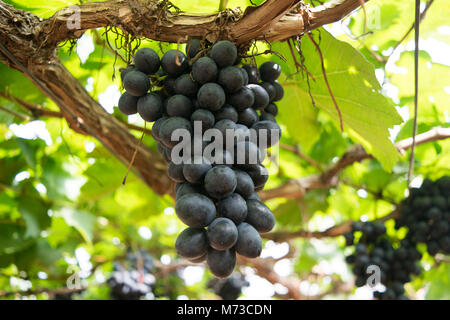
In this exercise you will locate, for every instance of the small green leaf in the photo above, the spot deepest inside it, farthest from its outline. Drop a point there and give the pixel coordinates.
(29, 150)
(433, 86)
(80, 220)
(34, 212)
(10, 167)
(439, 288)
(12, 238)
(59, 180)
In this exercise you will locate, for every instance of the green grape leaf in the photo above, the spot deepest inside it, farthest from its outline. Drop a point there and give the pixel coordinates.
(366, 113)
(46, 9)
(439, 283)
(34, 212)
(12, 239)
(433, 86)
(80, 220)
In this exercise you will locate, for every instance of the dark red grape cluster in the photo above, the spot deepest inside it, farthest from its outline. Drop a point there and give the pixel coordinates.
(232, 107)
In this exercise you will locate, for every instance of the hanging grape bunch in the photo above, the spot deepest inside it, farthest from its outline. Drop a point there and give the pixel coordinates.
(215, 190)
(135, 282)
(229, 288)
(426, 215)
(372, 247)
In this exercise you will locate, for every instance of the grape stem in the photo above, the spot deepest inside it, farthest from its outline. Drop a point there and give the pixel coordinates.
(325, 78)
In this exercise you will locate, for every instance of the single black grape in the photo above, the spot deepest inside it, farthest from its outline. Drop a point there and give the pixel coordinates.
(147, 61)
(128, 103)
(221, 263)
(270, 71)
(124, 71)
(360, 249)
(233, 207)
(226, 112)
(444, 243)
(244, 75)
(224, 53)
(186, 86)
(150, 107)
(259, 175)
(169, 85)
(242, 99)
(169, 126)
(268, 133)
(265, 116)
(252, 73)
(229, 288)
(195, 210)
(259, 216)
(136, 83)
(204, 70)
(186, 188)
(349, 238)
(193, 47)
(211, 96)
(192, 243)
(220, 182)
(223, 157)
(231, 79)
(357, 226)
(174, 63)
(175, 172)
(156, 127)
(270, 89)
(195, 172)
(248, 117)
(206, 118)
(179, 106)
(433, 247)
(279, 91)
(249, 243)
(245, 186)
(272, 109)
(164, 152)
(222, 234)
(261, 96)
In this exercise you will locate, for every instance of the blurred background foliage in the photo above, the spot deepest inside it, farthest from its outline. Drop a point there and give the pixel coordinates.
(65, 212)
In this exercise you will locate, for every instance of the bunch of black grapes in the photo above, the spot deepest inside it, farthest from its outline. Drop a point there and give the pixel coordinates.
(426, 215)
(216, 195)
(134, 282)
(141, 260)
(229, 288)
(372, 247)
